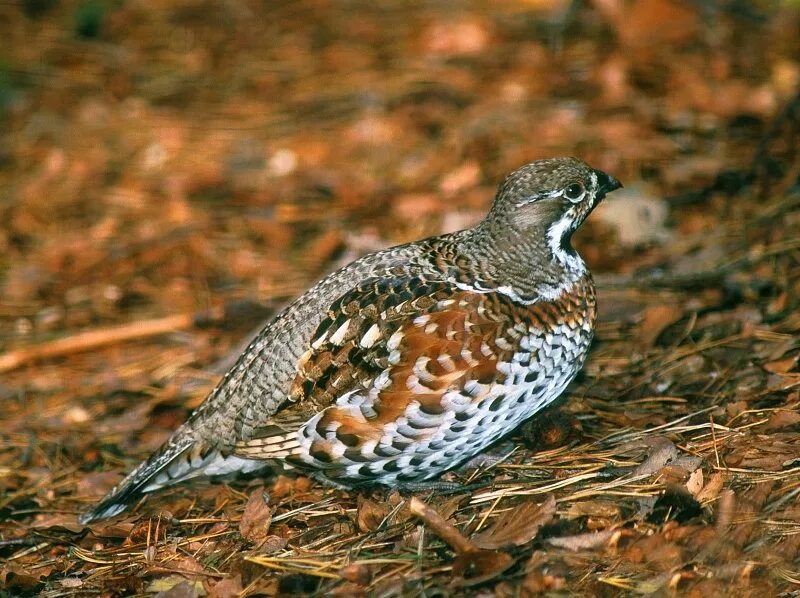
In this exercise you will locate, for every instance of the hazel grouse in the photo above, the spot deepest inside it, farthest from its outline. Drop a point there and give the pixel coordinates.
(407, 361)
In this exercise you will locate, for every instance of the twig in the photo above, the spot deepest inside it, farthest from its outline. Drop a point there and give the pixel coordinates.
(94, 339)
(446, 531)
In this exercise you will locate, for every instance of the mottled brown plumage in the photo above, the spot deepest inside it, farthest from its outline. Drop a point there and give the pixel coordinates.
(410, 360)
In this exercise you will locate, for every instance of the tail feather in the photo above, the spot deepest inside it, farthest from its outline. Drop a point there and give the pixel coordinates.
(180, 459)
(152, 474)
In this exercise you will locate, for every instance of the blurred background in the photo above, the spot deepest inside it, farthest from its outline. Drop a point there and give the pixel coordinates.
(167, 156)
(171, 171)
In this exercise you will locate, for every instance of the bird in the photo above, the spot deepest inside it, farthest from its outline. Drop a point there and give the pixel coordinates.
(408, 361)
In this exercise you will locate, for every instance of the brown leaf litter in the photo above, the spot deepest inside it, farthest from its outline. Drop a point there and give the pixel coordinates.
(187, 170)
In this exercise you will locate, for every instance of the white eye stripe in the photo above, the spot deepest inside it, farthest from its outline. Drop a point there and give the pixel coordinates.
(540, 196)
(559, 193)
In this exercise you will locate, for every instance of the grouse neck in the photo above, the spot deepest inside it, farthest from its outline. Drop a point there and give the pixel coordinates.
(532, 264)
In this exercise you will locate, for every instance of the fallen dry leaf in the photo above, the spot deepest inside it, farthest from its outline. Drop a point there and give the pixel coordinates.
(543, 575)
(593, 508)
(655, 550)
(358, 573)
(370, 514)
(63, 520)
(583, 541)
(517, 526)
(71, 582)
(175, 586)
(456, 36)
(18, 581)
(187, 565)
(256, 518)
(348, 589)
(725, 509)
(97, 483)
(229, 587)
(662, 451)
(656, 319)
(782, 419)
(637, 217)
(712, 488)
(642, 24)
(465, 176)
(472, 564)
(474, 567)
(782, 366)
(695, 482)
(763, 452)
(120, 529)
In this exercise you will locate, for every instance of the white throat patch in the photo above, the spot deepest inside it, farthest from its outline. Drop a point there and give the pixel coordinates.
(571, 261)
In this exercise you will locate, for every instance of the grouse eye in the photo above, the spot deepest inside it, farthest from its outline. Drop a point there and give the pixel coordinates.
(574, 192)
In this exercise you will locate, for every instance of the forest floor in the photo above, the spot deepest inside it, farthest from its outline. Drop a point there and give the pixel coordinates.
(171, 174)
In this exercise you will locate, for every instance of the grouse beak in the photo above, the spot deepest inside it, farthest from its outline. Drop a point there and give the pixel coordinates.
(606, 183)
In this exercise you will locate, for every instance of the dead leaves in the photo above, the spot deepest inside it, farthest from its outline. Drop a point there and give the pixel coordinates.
(477, 560)
(782, 366)
(578, 542)
(97, 483)
(256, 518)
(229, 587)
(472, 565)
(94, 235)
(656, 319)
(782, 419)
(655, 551)
(356, 573)
(661, 451)
(370, 514)
(175, 586)
(517, 526)
(712, 488)
(765, 453)
(642, 25)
